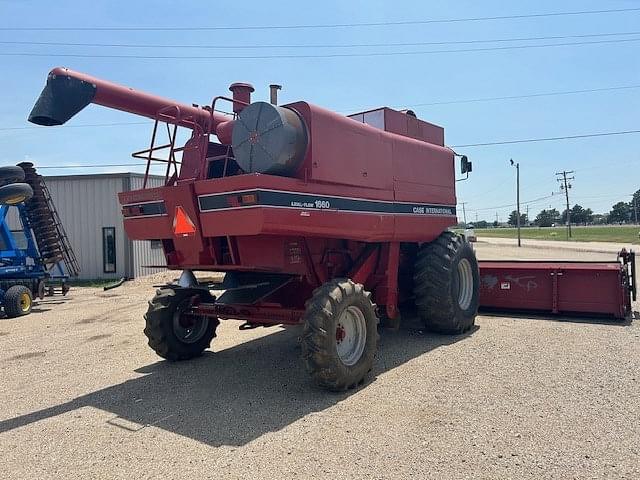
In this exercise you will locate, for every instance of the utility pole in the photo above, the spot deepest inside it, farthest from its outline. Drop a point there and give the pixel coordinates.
(635, 209)
(517, 165)
(565, 185)
(464, 213)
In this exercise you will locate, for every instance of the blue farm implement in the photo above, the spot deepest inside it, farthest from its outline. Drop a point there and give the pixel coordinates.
(36, 259)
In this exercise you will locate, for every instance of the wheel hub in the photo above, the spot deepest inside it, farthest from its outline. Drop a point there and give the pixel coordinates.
(351, 335)
(465, 284)
(25, 302)
(187, 327)
(340, 333)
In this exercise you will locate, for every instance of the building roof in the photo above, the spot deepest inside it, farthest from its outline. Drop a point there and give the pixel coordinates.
(101, 175)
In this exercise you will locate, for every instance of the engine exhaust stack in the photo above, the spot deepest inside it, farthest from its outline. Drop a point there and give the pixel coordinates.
(273, 90)
(241, 95)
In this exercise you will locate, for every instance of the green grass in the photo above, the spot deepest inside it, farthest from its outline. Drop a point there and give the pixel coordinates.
(607, 233)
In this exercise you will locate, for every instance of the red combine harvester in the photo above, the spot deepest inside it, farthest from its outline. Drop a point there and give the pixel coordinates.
(313, 216)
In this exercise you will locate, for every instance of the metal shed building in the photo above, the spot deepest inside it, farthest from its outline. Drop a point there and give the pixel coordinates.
(91, 215)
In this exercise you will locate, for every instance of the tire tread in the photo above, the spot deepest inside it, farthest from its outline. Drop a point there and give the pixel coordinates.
(159, 313)
(324, 367)
(433, 277)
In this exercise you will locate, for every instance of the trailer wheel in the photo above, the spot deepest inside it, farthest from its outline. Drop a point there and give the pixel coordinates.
(41, 289)
(18, 301)
(340, 334)
(446, 284)
(15, 193)
(171, 332)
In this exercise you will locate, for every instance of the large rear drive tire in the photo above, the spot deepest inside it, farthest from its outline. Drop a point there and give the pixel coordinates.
(340, 336)
(173, 334)
(446, 284)
(18, 301)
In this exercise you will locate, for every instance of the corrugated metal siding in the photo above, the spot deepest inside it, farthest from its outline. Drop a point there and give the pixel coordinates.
(144, 255)
(85, 206)
(142, 252)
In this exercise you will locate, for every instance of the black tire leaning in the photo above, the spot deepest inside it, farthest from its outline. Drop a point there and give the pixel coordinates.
(159, 327)
(319, 342)
(15, 193)
(18, 301)
(11, 174)
(41, 289)
(437, 284)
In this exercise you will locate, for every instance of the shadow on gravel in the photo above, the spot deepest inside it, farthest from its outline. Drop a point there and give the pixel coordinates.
(594, 320)
(39, 306)
(34, 311)
(233, 396)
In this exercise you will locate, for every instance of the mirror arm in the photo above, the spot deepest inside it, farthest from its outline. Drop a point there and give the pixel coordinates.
(466, 165)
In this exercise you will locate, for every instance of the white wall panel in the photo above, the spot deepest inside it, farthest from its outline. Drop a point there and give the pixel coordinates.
(86, 204)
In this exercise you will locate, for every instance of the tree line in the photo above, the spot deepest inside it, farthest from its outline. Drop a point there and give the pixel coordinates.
(620, 213)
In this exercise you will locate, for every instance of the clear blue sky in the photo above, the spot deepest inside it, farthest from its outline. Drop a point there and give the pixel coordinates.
(607, 168)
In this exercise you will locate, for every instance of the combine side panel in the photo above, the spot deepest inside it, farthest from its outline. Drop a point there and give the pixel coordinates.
(597, 288)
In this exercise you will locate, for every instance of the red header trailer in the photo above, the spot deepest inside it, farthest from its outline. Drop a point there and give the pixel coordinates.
(560, 287)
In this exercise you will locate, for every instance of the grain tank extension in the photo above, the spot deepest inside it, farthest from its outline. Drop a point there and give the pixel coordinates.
(332, 222)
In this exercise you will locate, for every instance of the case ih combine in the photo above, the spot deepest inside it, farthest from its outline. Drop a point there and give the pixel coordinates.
(317, 219)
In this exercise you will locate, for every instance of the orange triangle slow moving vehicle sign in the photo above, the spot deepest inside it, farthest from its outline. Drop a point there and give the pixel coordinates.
(182, 224)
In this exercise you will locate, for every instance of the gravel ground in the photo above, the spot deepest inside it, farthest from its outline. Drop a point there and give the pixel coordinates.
(83, 397)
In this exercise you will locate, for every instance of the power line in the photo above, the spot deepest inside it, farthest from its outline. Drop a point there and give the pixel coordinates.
(608, 167)
(547, 139)
(413, 105)
(331, 25)
(508, 97)
(93, 166)
(327, 55)
(562, 178)
(344, 45)
(138, 164)
(615, 195)
(514, 97)
(504, 142)
(499, 185)
(556, 196)
(528, 202)
(116, 124)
